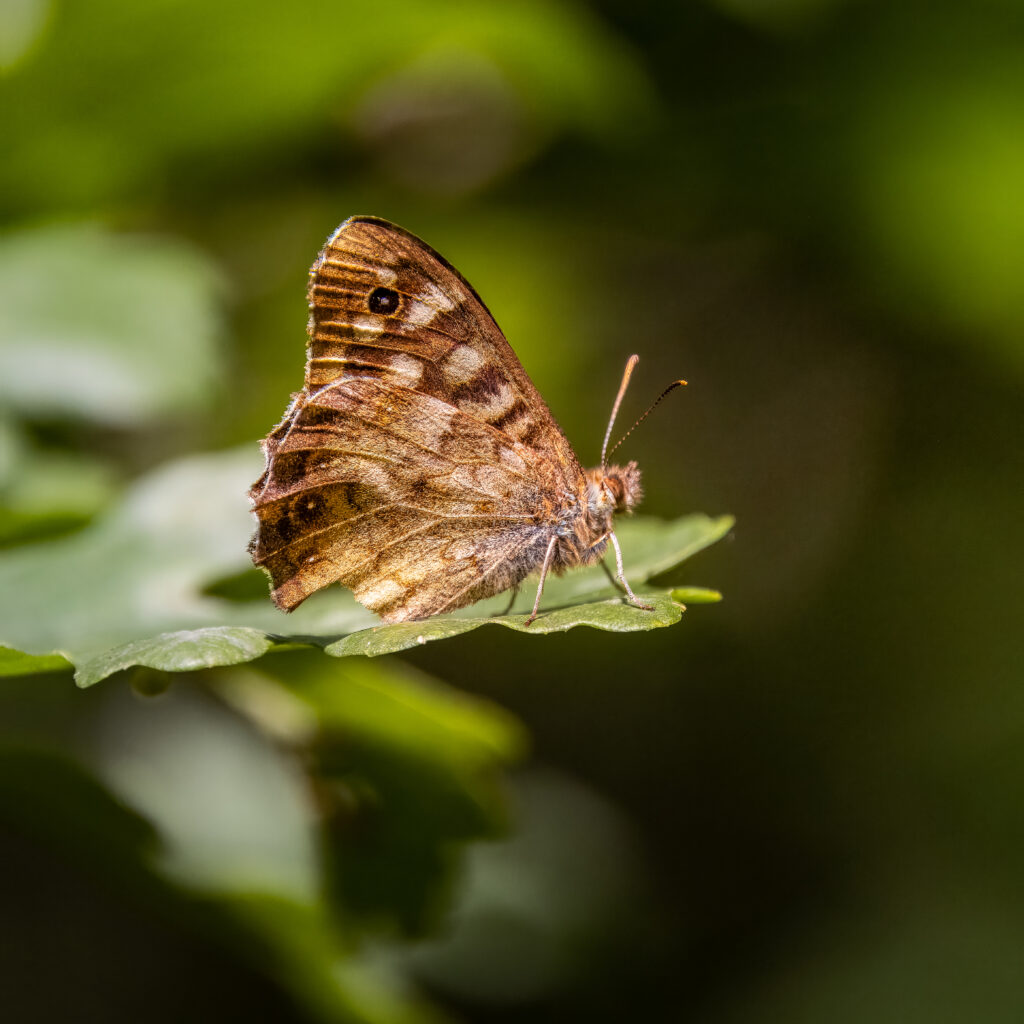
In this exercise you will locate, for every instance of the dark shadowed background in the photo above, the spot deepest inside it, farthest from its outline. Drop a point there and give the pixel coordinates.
(803, 804)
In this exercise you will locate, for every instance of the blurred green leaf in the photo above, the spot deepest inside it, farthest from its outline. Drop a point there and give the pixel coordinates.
(49, 795)
(939, 212)
(509, 942)
(390, 705)
(405, 771)
(15, 663)
(46, 491)
(22, 22)
(300, 947)
(113, 328)
(147, 828)
(408, 772)
(695, 595)
(561, 63)
(240, 833)
(138, 564)
(140, 570)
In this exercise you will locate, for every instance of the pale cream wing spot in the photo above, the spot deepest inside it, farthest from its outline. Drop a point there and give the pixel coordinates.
(378, 476)
(492, 407)
(439, 299)
(407, 369)
(370, 323)
(462, 365)
(513, 461)
(419, 314)
(461, 548)
(379, 593)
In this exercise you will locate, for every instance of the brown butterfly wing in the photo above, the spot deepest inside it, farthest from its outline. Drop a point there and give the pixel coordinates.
(440, 339)
(419, 467)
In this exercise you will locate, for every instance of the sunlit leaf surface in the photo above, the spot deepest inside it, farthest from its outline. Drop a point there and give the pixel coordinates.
(16, 663)
(131, 588)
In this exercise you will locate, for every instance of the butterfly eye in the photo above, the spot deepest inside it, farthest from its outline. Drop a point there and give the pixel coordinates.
(383, 300)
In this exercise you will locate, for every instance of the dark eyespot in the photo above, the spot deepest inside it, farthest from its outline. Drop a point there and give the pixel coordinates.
(383, 300)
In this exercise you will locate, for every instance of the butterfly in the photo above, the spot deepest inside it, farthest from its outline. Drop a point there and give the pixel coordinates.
(419, 466)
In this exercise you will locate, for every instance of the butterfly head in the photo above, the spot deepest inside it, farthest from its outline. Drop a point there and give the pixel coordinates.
(613, 489)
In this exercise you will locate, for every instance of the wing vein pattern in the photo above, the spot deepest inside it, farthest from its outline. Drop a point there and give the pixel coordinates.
(419, 466)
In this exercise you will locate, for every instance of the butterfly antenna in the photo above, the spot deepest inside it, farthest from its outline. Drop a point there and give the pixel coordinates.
(630, 364)
(654, 405)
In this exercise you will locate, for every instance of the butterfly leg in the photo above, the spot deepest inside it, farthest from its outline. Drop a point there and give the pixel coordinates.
(549, 557)
(611, 576)
(604, 565)
(512, 599)
(633, 599)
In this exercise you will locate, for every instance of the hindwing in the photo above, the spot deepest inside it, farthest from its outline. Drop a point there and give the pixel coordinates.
(413, 505)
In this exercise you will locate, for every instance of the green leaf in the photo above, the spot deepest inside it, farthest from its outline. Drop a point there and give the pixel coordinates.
(615, 616)
(496, 943)
(133, 588)
(134, 324)
(45, 492)
(695, 595)
(22, 22)
(141, 569)
(51, 796)
(299, 946)
(182, 651)
(194, 817)
(16, 663)
(391, 705)
(409, 770)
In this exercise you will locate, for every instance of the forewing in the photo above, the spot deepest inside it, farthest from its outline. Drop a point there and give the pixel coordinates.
(415, 506)
(440, 339)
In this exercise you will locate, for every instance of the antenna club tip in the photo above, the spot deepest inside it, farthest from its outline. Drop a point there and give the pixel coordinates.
(682, 382)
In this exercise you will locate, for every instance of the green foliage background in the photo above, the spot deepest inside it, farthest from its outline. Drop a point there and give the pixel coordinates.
(805, 803)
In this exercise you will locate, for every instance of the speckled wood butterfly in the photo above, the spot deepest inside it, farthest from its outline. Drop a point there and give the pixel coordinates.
(419, 466)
